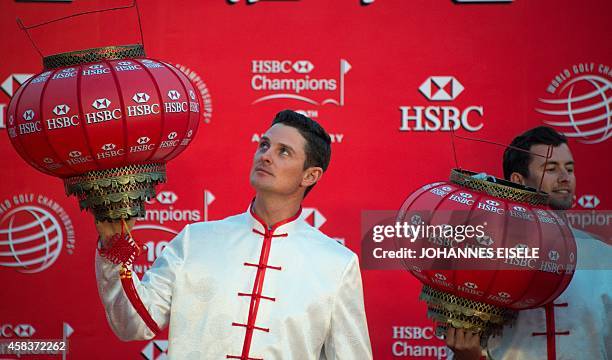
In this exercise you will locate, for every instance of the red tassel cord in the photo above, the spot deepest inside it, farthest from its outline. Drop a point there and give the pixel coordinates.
(123, 249)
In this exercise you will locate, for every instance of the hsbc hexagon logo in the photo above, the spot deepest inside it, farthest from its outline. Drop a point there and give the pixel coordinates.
(553, 255)
(466, 195)
(519, 208)
(470, 285)
(143, 140)
(108, 147)
(74, 154)
(485, 240)
(48, 160)
(124, 63)
(166, 197)
(61, 109)
(492, 203)
(440, 277)
(24, 330)
(313, 217)
(141, 97)
(96, 66)
(155, 350)
(20, 330)
(192, 95)
(521, 246)
(101, 104)
(28, 115)
(446, 188)
(503, 295)
(68, 70)
(189, 133)
(174, 95)
(302, 66)
(416, 219)
(441, 88)
(588, 201)
(172, 135)
(416, 268)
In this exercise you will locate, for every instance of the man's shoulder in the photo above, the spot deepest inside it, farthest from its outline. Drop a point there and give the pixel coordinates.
(325, 246)
(214, 226)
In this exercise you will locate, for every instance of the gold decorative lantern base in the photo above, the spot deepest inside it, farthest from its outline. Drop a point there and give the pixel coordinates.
(461, 313)
(117, 193)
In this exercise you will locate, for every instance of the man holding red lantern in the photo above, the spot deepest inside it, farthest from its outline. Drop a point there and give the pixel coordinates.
(263, 284)
(577, 324)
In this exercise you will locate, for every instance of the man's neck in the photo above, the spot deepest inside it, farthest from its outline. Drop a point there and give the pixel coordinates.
(273, 209)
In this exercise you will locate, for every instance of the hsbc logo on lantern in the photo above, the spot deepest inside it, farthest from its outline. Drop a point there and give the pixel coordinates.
(65, 73)
(96, 69)
(127, 66)
(61, 109)
(141, 97)
(143, 140)
(143, 145)
(109, 150)
(104, 113)
(176, 106)
(297, 80)
(143, 108)
(63, 121)
(101, 104)
(442, 117)
(174, 95)
(28, 115)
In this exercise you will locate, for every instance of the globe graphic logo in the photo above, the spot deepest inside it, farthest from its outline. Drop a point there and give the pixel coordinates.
(584, 107)
(30, 239)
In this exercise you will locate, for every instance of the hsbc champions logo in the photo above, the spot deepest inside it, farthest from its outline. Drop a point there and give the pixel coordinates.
(439, 114)
(578, 103)
(300, 80)
(34, 230)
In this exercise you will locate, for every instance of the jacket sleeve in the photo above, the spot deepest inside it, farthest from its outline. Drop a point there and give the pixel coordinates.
(155, 290)
(348, 336)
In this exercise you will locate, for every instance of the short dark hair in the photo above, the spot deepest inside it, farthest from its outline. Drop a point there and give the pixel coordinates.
(318, 142)
(518, 161)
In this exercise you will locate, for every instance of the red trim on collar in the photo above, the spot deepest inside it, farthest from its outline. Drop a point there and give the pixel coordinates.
(275, 226)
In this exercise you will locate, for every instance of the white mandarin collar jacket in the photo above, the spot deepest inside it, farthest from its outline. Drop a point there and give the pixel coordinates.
(238, 289)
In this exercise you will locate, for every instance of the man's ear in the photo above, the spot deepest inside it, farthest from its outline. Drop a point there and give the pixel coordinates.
(311, 176)
(517, 178)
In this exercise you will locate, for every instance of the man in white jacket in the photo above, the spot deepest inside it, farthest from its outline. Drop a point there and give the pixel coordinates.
(259, 285)
(578, 324)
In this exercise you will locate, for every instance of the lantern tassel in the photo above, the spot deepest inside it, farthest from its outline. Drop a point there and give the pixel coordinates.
(123, 249)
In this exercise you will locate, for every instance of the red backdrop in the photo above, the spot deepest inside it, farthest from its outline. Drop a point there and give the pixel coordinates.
(365, 72)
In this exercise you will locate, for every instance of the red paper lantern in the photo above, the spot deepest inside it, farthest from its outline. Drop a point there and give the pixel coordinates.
(485, 297)
(106, 121)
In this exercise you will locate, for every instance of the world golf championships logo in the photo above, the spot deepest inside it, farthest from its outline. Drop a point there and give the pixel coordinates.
(33, 231)
(580, 106)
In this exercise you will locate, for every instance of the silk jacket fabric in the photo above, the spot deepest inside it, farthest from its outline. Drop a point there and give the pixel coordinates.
(231, 289)
(582, 314)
